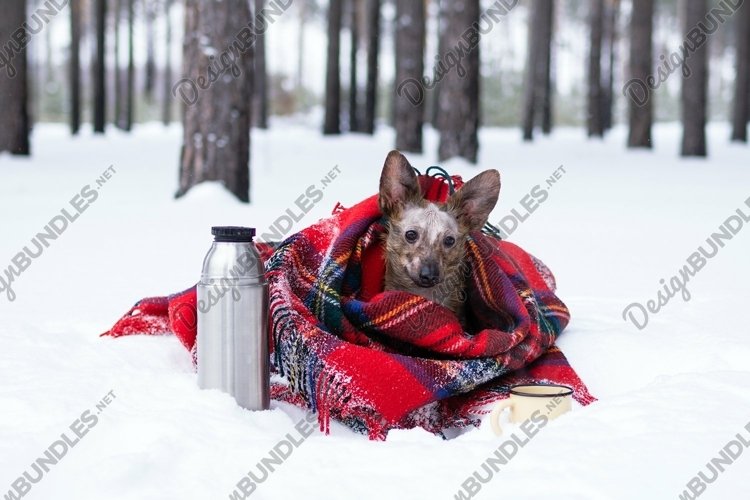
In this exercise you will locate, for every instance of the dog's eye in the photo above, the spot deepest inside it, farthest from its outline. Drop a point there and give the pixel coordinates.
(411, 236)
(449, 241)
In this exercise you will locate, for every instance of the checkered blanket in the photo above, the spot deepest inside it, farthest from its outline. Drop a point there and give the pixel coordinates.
(378, 360)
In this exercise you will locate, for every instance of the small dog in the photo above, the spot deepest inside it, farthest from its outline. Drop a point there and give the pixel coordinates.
(424, 246)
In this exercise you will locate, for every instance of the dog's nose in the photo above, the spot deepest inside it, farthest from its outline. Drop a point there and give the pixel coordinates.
(429, 274)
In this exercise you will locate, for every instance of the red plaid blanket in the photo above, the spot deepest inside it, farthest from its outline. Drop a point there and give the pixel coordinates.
(379, 360)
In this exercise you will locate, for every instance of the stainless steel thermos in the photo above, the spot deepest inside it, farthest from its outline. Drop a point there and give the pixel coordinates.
(233, 319)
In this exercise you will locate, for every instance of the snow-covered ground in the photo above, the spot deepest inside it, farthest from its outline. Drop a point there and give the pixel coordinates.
(671, 396)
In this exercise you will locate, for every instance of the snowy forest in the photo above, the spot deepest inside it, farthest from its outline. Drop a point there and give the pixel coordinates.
(224, 69)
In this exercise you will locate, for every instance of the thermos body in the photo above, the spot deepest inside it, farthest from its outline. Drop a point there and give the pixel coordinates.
(251, 371)
(232, 295)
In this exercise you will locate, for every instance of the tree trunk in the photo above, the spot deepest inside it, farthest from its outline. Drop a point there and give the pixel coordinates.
(75, 66)
(410, 46)
(333, 78)
(302, 23)
(544, 78)
(216, 128)
(34, 75)
(131, 71)
(435, 101)
(459, 92)
(166, 111)
(694, 88)
(260, 78)
(353, 85)
(640, 107)
(14, 119)
(100, 93)
(149, 8)
(594, 112)
(119, 120)
(611, 9)
(741, 109)
(529, 83)
(373, 48)
(537, 97)
(49, 61)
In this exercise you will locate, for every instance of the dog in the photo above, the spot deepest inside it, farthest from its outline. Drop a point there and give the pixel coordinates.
(424, 242)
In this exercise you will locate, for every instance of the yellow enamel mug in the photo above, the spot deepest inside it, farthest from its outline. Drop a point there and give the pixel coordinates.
(550, 400)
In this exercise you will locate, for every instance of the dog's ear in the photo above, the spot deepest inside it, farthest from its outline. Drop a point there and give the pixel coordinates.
(474, 201)
(398, 184)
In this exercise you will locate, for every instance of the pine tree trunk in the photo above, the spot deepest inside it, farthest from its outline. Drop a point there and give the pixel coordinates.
(260, 78)
(611, 9)
(49, 63)
(300, 71)
(14, 118)
(694, 88)
(537, 97)
(131, 71)
(410, 46)
(640, 114)
(100, 81)
(166, 111)
(34, 77)
(355, 6)
(435, 93)
(119, 119)
(216, 128)
(373, 49)
(594, 112)
(333, 78)
(544, 81)
(530, 96)
(75, 66)
(150, 77)
(459, 93)
(741, 109)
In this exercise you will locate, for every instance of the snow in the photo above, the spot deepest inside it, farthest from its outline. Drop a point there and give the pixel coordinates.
(671, 396)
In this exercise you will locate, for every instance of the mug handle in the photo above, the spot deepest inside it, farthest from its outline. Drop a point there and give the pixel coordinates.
(495, 415)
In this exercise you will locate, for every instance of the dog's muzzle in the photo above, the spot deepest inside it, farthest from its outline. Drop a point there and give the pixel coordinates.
(429, 274)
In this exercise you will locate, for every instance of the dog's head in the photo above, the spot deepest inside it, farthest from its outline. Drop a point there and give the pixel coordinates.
(425, 240)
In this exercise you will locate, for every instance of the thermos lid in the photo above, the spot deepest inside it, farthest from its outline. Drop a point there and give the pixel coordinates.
(233, 234)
